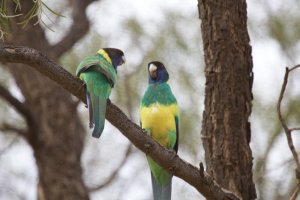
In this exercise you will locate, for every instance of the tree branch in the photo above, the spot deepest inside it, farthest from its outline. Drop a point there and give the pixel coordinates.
(166, 158)
(78, 29)
(114, 173)
(288, 131)
(9, 145)
(21, 108)
(8, 127)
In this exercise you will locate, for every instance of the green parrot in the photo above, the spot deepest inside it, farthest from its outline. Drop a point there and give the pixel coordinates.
(99, 74)
(159, 116)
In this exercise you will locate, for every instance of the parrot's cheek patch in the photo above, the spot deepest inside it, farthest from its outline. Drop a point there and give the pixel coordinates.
(153, 75)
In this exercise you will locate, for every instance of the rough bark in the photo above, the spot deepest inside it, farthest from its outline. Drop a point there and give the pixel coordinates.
(57, 140)
(168, 159)
(228, 71)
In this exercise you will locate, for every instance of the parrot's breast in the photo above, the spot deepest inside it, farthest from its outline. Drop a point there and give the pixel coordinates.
(160, 120)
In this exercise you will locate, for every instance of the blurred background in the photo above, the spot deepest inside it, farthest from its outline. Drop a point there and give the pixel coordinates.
(168, 31)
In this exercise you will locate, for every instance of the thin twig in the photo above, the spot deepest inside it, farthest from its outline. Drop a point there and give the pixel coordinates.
(10, 144)
(10, 128)
(287, 130)
(295, 193)
(23, 110)
(283, 122)
(295, 129)
(114, 174)
(295, 67)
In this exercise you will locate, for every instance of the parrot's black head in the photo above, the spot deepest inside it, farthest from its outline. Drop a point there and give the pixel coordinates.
(157, 72)
(116, 55)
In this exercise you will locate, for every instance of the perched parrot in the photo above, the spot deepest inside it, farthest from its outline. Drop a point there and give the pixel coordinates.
(159, 115)
(99, 74)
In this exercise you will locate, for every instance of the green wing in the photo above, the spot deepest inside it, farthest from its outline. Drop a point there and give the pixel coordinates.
(99, 77)
(101, 65)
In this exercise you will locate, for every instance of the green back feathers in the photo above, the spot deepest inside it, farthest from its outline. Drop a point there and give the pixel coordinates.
(158, 92)
(96, 83)
(101, 65)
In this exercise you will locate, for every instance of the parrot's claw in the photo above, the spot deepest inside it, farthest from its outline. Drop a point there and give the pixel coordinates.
(146, 131)
(82, 86)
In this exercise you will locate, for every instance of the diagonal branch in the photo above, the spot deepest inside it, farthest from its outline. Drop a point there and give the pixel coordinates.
(9, 145)
(21, 108)
(5, 127)
(78, 29)
(115, 172)
(168, 159)
(288, 131)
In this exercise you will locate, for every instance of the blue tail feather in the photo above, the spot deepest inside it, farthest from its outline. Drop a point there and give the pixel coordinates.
(161, 192)
(99, 111)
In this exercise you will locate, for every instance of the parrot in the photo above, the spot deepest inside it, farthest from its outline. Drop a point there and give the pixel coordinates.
(159, 116)
(99, 74)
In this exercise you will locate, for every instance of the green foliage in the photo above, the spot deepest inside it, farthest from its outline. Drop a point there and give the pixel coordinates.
(37, 9)
(285, 31)
(35, 13)
(4, 16)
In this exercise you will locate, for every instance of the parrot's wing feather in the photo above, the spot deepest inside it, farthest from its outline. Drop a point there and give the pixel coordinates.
(107, 75)
(101, 65)
(86, 64)
(161, 192)
(177, 133)
(107, 70)
(85, 68)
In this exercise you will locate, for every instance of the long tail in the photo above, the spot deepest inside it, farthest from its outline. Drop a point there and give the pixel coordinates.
(98, 114)
(161, 192)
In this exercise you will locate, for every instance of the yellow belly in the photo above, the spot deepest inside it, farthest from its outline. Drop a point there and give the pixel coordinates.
(160, 121)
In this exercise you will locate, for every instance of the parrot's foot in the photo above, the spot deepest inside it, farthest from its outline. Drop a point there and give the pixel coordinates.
(147, 131)
(82, 86)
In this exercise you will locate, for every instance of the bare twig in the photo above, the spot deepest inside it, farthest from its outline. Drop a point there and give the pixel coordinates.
(9, 145)
(10, 128)
(295, 193)
(21, 108)
(168, 159)
(287, 130)
(114, 174)
(78, 29)
(295, 129)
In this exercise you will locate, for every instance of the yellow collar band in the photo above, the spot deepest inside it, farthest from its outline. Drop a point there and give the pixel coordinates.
(105, 55)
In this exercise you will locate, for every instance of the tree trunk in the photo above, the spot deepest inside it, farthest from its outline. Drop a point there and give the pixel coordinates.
(57, 141)
(226, 131)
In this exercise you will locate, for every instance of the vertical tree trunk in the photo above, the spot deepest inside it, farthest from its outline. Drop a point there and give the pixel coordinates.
(57, 141)
(226, 131)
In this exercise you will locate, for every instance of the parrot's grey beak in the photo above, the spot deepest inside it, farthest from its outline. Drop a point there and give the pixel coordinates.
(123, 60)
(152, 71)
